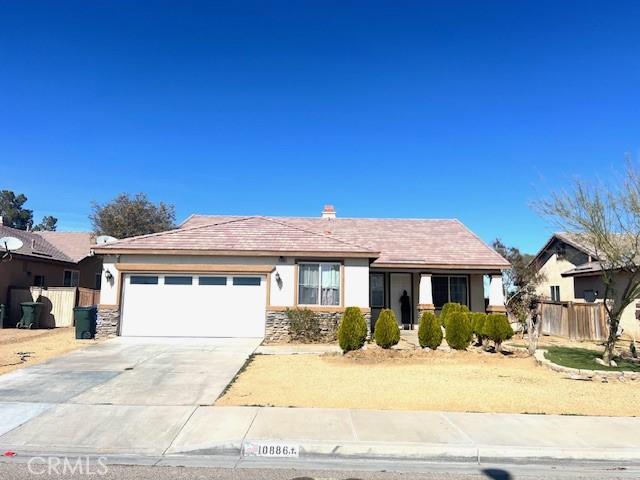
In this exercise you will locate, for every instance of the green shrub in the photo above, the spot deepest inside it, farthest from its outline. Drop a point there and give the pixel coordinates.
(352, 331)
(387, 333)
(303, 325)
(477, 323)
(429, 331)
(497, 329)
(450, 308)
(458, 330)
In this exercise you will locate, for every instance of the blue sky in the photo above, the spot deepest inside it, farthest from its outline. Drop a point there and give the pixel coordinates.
(403, 109)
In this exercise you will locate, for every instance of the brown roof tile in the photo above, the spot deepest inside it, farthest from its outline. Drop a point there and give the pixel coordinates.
(398, 241)
(75, 245)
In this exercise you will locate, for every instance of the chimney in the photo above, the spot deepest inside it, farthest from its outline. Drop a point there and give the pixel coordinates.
(328, 211)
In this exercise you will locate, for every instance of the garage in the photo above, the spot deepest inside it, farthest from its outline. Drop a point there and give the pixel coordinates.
(193, 305)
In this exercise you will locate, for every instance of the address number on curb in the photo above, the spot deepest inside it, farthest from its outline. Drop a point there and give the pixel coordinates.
(270, 450)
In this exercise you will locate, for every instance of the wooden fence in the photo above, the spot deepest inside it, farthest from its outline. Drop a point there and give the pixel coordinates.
(577, 321)
(59, 303)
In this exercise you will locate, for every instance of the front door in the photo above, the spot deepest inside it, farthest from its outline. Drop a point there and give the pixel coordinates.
(398, 284)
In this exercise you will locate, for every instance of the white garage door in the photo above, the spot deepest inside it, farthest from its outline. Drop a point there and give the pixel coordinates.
(185, 305)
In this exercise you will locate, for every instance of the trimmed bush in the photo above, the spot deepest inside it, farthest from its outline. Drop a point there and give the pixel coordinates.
(352, 331)
(387, 332)
(429, 331)
(458, 330)
(497, 329)
(450, 308)
(477, 323)
(303, 325)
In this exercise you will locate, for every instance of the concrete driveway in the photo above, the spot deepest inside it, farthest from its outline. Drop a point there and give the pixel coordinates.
(126, 395)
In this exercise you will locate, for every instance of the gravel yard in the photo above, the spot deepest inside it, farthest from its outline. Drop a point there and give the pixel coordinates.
(418, 380)
(21, 348)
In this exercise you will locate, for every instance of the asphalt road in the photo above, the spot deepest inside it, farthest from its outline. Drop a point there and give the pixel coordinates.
(54, 470)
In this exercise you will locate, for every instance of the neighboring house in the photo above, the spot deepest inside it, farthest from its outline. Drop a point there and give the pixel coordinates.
(234, 276)
(50, 259)
(572, 274)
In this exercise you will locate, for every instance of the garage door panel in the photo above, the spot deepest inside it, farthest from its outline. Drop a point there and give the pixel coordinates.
(211, 309)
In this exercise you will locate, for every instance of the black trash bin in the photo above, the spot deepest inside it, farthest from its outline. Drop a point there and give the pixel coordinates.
(85, 320)
(31, 312)
(3, 316)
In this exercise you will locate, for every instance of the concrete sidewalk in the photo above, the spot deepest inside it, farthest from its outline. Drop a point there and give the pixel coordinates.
(202, 432)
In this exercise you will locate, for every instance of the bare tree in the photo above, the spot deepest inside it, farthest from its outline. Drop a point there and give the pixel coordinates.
(608, 219)
(520, 282)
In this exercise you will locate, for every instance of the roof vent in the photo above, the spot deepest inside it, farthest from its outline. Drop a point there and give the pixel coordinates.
(328, 211)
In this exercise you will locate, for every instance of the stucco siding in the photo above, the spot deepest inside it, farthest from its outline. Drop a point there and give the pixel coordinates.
(476, 293)
(552, 270)
(356, 282)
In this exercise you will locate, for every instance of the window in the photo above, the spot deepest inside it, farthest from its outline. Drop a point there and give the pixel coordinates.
(143, 280)
(590, 295)
(555, 293)
(38, 280)
(447, 289)
(212, 281)
(246, 281)
(98, 281)
(319, 284)
(178, 280)
(376, 288)
(71, 278)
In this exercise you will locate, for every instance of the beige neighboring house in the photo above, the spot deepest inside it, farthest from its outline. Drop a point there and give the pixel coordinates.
(235, 276)
(572, 274)
(50, 259)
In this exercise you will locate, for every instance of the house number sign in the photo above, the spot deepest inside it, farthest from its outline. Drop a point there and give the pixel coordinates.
(270, 449)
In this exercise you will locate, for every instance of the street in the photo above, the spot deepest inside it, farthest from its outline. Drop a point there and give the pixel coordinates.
(232, 469)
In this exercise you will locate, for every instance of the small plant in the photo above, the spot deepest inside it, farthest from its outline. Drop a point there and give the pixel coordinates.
(497, 329)
(459, 331)
(450, 308)
(303, 325)
(429, 331)
(352, 331)
(632, 349)
(387, 332)
(477, 323)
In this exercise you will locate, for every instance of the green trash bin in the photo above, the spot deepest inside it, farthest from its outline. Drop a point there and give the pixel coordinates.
(3, 316)
(31, 312)
(85, 320)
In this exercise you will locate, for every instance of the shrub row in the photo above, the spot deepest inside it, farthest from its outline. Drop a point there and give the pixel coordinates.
(460, 328)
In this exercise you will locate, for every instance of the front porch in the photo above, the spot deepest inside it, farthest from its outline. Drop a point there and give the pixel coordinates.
(429, 291)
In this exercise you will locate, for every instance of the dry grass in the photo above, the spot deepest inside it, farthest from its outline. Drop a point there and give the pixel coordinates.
(35, 346)
(456, 381)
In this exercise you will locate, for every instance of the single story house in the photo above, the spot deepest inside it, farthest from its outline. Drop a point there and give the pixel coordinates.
(234, 276)
(49, 259)
(572, 274)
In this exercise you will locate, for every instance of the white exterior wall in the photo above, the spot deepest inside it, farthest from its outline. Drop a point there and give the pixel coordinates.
(109, 289)
(552, 269)
(356, 276)
(356, 282)
(283, 292)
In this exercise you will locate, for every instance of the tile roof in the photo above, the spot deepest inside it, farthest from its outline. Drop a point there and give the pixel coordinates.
(392, 242)
(75, 245)
(240, 234)
(34, 245)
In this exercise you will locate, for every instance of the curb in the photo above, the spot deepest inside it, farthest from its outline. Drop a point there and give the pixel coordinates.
(539, 355)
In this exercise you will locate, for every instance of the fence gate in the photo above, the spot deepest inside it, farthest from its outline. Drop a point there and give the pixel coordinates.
(577, 321)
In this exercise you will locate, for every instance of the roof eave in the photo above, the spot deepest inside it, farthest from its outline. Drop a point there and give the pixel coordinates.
(439, 266)
(233, 253)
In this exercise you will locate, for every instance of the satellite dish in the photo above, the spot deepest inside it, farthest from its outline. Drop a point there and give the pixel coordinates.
(102, 239)
(10, 243)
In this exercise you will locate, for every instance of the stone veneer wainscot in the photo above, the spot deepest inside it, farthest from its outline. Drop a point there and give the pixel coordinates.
(278, 325)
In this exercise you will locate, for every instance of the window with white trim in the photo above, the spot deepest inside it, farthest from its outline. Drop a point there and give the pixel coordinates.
(71, 278)
(319, 283)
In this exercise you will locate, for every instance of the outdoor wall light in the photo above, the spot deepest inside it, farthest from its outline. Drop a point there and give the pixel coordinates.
(278, 280)
(108, 275)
